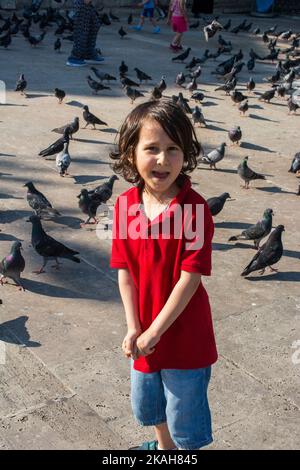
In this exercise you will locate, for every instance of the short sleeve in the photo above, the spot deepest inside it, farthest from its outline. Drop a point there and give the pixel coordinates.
(117, 260)
(197, 249)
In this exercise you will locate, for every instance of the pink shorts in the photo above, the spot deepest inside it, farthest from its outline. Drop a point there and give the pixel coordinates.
(179, 24)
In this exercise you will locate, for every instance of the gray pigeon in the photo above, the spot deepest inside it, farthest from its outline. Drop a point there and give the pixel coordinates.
(73, 128)
(48, 247)
(216, 204)
(243, 107)
(235, 134)
(269, 254)
(12, 265)
(247, 174)
(211, 29)
(295, 166)
(267, 95)
(214, 156)
(198, 117)
(132, 93)
(38, 202)
(63, 160)
(258, 231)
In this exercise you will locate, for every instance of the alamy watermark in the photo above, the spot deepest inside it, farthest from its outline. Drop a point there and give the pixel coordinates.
(2, 92)
(187, 221)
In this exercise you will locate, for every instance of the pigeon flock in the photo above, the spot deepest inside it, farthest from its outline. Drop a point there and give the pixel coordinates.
(282, 50)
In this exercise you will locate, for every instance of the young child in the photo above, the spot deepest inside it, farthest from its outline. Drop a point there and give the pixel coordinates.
(86, 27)
(178, 17)
(170, 333)
(148, 12)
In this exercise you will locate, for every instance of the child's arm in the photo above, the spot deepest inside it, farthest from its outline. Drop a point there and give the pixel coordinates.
(129, 297)
(180, 296)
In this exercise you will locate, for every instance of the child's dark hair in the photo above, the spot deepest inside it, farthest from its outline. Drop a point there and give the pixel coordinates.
(174, 122)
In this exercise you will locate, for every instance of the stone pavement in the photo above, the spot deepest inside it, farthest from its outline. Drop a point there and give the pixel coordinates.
(65, 383)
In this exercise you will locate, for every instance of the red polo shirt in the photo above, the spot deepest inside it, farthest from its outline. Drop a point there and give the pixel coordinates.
(155, 256)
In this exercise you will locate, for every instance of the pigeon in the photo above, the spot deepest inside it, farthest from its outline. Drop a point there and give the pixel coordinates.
(104, 191)
(267, 95)
(250, 85)
(73, 128)
(196, 73)
(60, 94)
(243, 107)
(132, 93)
(247, 174)
(251, 64)
(89, 205)
(269, 254)
(292, 105)
(237, 96)
(91, 118)
(38, 202)
(103, 75)
(125, 81)
(286, 34)
(198, 96)
(257, 231)
(295, 166)
(162, 86)
(48, 247)
(183, 56)
(281, 91)
(216, 204)
(123, 69)
(122, 32)
(256, 31)
(192, 86)
(198, 117)
(142, 76)
(211, 29)
(5, 40)
(192, 64)
(96, 86)
(228, 86)
(183, 103)
(273, 78)
(35, 40)
(57, 146)
(13, 265)
(227, 25)
(214, 156)
(180, 79)
(21, 84)
(57, 45)
(235, 134)
(130, 19)
(63, 160)
(156, 94)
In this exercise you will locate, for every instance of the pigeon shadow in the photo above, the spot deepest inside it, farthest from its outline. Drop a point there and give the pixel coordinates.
(289, 253)
(248, 145)
(15, 332)
(89, 161)
(260, 118)
(256, 106)
(215, 128)
(9, 196)
(278, 104)
(91, 141)
(72, 222)
(83, 179)
(287, 276)
(110, 130)
(75, 103)
(208, 103)
(226, 247)
(6, 237)
(233, 225)
(11, 216)
(7, 155)
(274, 189)
(36, 95)
(223, 170)
(12, 104)
(214, 98)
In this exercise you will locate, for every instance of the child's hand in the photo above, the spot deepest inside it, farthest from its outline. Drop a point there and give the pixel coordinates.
(146, 342)
(129, 344)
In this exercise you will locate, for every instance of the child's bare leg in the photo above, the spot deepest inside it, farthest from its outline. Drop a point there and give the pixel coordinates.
(163, 437)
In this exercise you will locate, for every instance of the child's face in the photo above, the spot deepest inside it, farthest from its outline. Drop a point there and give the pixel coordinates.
(158, 159)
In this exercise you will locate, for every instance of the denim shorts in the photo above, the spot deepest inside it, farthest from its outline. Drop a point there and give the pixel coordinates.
(148, 13)
(175, 396)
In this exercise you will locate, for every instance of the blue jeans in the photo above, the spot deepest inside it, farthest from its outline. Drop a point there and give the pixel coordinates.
(177, 397)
